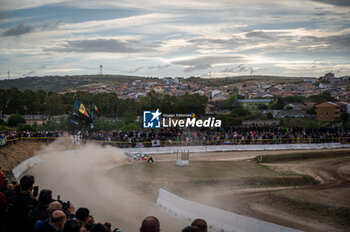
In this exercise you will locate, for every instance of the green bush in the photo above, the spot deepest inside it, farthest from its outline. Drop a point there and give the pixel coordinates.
(130, 127)
(15, 120)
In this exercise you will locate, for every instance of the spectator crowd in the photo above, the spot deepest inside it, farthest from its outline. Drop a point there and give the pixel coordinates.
(201, 136)
(24, 209)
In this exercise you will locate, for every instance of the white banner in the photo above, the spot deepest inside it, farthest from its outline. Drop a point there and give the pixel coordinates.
(155, 143)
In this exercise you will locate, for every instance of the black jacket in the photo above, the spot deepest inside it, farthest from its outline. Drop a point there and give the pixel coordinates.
(18, 209)
(39, 213)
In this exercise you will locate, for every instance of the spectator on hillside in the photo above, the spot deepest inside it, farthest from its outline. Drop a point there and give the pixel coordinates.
(201, 224)
(191, 229)
(150, 224)
(20, 205)
(53, 206)
(56, 222)
(40, 212)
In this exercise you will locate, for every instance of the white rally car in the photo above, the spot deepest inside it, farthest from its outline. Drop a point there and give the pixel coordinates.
(141, 157)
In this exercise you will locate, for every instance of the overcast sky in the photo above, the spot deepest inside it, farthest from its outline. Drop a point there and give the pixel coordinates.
(175, 38)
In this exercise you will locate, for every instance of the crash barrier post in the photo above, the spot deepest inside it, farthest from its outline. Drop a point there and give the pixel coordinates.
(182, 158)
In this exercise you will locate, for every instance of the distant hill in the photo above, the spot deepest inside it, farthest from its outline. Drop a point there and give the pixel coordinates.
(63, 83)
(240, 79)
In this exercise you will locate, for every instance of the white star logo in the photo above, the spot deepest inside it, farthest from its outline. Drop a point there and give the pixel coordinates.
(156, 115)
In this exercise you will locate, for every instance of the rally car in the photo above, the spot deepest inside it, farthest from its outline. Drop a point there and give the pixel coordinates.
(141, 157)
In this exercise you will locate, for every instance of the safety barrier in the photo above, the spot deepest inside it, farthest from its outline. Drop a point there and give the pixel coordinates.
(217, 219)
(222, 148)
(226, 142)
(22, 167)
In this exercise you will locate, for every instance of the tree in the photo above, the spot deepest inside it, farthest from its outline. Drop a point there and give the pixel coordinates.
(131, 126)
(54, 104)
(279, 105)
(230, 101)
(192, 103)
(344, 117)
(324, 97)
(15, 120)
(262, 107)
(39, 104)
(14, 101)
(269, 115)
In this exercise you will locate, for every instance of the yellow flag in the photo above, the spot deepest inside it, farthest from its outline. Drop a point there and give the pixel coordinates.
(83, 110)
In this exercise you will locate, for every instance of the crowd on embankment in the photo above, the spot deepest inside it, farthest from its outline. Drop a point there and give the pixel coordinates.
(199, 136)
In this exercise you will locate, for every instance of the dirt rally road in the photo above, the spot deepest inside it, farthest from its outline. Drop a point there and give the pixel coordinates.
(334, 189)
(79, 177)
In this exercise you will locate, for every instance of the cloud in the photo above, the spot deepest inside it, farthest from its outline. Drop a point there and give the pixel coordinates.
(238, 68)
(24, 4)
(258, 34)
(242, 68)
(335, 2)
(106, 46)
(136, 69)
(206, 41)
(19, 30)
(205, 62)
(2, 15)
(50, 26)
(159, 67)
(335, 41)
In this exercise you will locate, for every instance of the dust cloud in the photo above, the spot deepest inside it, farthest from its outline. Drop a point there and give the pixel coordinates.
(79, 176)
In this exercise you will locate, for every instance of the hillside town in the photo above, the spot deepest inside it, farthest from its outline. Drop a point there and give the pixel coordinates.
(245, 103)
(254, 94)
(338, 87)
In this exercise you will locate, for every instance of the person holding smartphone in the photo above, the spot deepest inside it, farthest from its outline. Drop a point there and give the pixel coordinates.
(40, 212)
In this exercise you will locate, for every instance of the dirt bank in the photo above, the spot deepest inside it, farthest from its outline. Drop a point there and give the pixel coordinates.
(13, 154)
